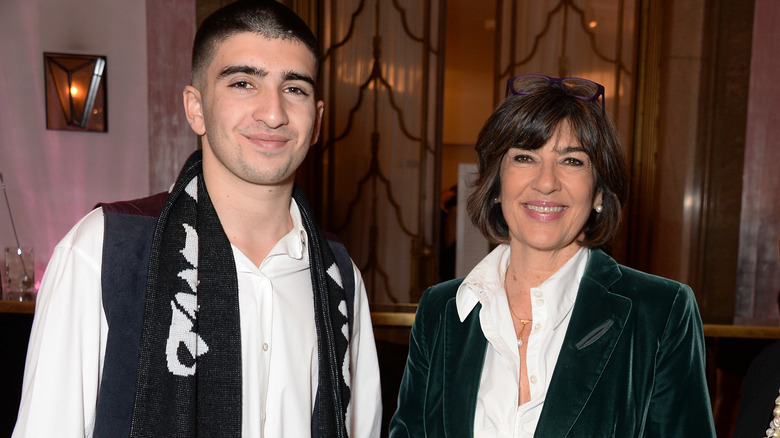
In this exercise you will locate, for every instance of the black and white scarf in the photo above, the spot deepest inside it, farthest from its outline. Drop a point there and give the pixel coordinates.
(189, 372)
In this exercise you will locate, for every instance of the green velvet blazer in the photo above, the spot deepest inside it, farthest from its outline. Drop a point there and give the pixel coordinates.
(632, 363)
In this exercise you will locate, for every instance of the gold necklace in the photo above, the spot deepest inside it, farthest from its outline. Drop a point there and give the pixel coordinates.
(523, 322)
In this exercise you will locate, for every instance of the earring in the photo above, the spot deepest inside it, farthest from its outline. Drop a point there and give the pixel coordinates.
(599, 208)
(496, 201)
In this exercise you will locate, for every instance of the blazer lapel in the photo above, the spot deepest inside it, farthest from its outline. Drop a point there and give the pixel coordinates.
(597, 321)
(464, 356)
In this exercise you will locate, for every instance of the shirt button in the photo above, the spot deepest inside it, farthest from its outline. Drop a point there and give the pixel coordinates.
(537, 293)
(262, 416)
(537, 326)
(265, 346)
(540, 302)
(534, 379)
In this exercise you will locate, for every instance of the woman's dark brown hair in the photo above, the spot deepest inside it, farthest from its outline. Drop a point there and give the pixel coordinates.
(528, 122)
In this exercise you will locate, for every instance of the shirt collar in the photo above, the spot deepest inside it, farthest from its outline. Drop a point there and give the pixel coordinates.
(483, 281)
(293, 244)
(487, 279)
(560, 290)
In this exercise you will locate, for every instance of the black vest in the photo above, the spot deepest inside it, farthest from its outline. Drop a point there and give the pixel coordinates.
(127, 240)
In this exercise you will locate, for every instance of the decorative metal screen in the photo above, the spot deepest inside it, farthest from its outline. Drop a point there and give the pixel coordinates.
(380, 80)
(592, 39)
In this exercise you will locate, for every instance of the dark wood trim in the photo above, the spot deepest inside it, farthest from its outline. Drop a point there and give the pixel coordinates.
(21, 307)
(642, 198)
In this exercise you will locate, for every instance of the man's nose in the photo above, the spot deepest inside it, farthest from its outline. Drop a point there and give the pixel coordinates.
(270, 109)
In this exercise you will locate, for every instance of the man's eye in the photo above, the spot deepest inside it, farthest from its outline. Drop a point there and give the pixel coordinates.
(296, 90)
(241, 84)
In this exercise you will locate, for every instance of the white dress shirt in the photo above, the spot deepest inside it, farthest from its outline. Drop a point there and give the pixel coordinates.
(278, 342)
(497, 413)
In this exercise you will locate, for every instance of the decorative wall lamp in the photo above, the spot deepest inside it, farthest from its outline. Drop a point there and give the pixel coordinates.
(75, 92)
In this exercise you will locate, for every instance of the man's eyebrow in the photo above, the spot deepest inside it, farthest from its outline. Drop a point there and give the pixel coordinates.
(293, 76)
(260, 72)
(241, 69)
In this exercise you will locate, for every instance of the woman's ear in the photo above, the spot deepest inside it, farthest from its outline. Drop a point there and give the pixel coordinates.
(193, 109)
(597, 202)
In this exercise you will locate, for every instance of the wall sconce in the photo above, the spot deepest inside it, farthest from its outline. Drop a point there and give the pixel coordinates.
(75, 92)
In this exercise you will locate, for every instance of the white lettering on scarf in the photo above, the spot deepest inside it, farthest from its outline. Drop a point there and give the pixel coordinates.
(335, 274)
(184, 306)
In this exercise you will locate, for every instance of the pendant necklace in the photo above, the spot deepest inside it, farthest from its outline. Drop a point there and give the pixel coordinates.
(523, 322)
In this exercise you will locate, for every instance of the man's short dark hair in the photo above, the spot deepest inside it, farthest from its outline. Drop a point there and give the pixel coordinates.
(267, 18)
(528, 122)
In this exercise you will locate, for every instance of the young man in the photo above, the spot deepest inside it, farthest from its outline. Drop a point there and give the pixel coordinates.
(220, 308)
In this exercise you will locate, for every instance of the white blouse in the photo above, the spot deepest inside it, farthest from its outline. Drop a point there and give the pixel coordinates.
(497, 413)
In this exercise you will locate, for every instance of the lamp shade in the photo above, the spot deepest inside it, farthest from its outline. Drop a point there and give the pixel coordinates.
(75, 92)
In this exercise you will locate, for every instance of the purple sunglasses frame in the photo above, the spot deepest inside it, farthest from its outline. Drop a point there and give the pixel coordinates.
(510, 87)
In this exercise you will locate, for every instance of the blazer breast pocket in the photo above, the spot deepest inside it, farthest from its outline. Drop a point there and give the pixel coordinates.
(594, 335)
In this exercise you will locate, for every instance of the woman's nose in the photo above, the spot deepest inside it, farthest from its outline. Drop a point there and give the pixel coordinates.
(546, 180)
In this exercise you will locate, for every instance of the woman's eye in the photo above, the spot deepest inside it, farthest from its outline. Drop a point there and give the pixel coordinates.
(523, 159)
(571, 161)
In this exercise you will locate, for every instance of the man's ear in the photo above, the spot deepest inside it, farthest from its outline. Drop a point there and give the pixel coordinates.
(317, 122)
(193, 109)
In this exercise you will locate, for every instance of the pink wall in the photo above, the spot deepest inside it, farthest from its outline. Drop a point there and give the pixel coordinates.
(53, 178)
(170, 28)
(758, 281)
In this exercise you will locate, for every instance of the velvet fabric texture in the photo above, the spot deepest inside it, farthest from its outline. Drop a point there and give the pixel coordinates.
(632, 363)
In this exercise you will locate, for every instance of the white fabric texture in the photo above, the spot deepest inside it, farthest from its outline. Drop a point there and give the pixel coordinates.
(278, 342)
(497, 413)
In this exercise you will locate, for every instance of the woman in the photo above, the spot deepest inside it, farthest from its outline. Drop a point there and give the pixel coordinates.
(548, 336)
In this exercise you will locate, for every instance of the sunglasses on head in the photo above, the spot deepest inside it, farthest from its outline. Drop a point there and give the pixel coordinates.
(576, 87)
